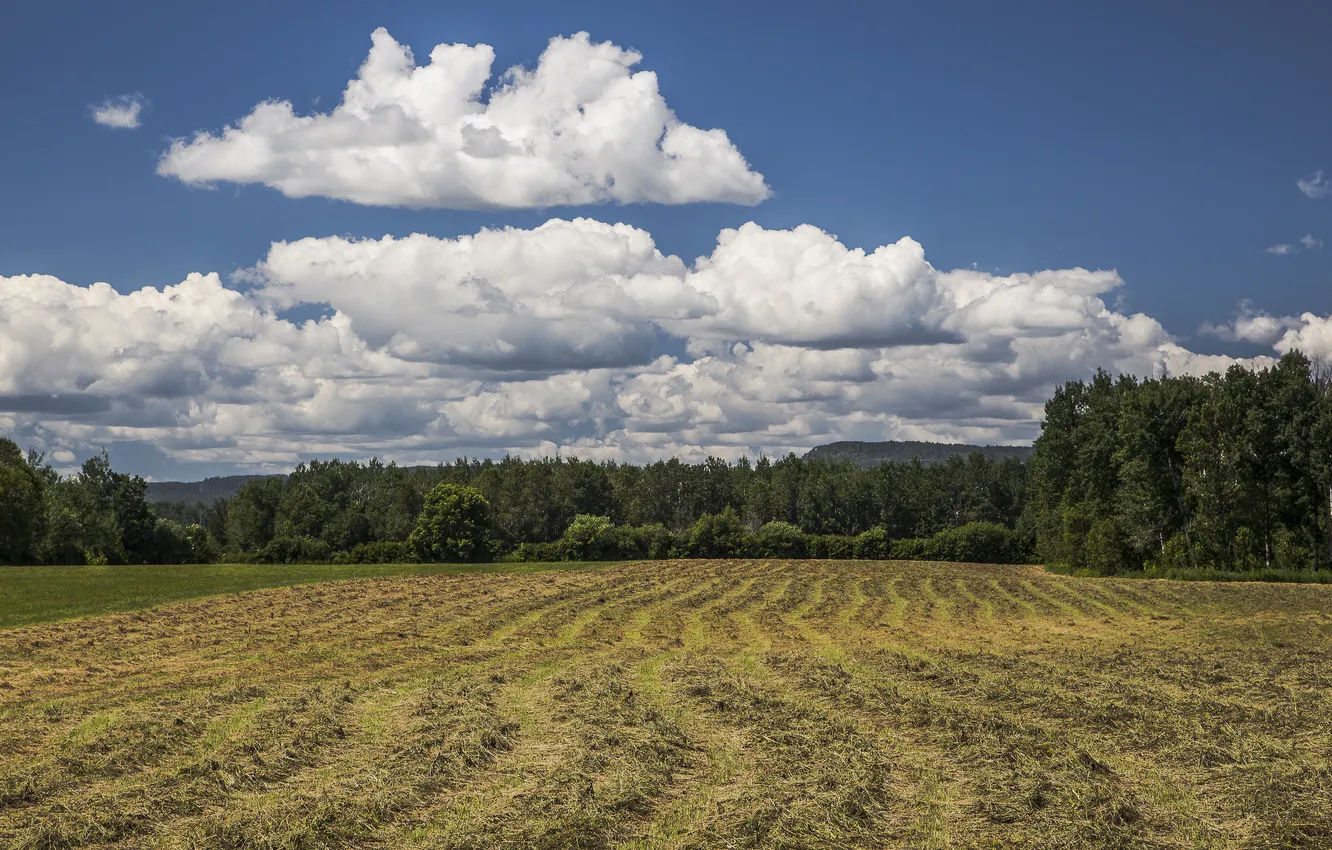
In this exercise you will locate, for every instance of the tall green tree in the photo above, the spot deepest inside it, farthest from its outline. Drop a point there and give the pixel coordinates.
(22, 509)
(454, 526)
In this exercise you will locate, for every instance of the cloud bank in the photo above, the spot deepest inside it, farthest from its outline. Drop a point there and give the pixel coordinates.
(581, 128)
(576, 336)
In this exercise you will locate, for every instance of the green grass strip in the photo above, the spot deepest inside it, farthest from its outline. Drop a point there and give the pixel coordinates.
(41, 594)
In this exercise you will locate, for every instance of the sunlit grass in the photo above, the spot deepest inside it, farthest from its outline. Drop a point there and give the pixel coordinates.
(43, 593)
(680, 705)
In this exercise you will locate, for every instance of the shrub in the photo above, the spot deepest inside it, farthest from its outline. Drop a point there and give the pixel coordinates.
(911, 549)
(590, 538)
(379, 552)
(837, 547)
(979, 542)
(171, 544)
(780, 540)
(295, 550)
(537, 553)
(203, 548)
(719, 536)
(653, 541)
(873, 545)
(454, 526)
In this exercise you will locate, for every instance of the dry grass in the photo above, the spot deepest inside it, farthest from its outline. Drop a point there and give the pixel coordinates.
(683, 705)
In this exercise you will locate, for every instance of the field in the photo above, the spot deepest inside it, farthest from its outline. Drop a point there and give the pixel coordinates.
(39, 594)
(681, 704)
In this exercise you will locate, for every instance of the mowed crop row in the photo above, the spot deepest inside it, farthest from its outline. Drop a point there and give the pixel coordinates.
(680, 704)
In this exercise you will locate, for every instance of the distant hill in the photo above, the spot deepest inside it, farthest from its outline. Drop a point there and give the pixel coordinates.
(905, 451)
(207, 491)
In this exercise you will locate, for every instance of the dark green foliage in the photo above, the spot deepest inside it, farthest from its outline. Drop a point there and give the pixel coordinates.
(77, 529)
(172, 544)
(348, 503)
(719, 536)
(834, 546)
(976, 542)
(294, 550)
(100, 516)
(22, 512)
(538, 552)
(366, 512)
(591, 538)
(780, 540)
(454, 526)
(911, 549)
(211, 517)
(252, 514)
(873, 545)
(380, 552)
(653, 541)
(1228, 473)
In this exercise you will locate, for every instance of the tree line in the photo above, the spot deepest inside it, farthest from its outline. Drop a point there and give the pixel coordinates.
(1227, 472)
(353, 511)
(96, 516)
(1224, 473)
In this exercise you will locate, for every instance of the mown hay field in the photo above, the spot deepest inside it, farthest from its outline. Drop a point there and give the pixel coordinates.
(680, 704)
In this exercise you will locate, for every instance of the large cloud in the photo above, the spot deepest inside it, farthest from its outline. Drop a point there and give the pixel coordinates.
(565, 295)
(543, 339)
(581, 128)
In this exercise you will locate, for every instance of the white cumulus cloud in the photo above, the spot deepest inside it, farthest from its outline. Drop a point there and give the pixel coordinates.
(565, 295)
(551, 339)
(803, 286)
(121, 113)
(582, 127)
(1249, 325)
(1307, 332)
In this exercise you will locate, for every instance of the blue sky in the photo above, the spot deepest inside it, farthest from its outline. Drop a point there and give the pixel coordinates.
(1160, 140)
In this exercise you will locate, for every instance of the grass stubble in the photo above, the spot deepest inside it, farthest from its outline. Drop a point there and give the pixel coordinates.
(739, 704)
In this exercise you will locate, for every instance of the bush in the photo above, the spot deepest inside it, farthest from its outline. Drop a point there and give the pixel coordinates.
(837, 547)
(454, 526)
(591, 538)
(171, 544)
(295, 550)
(653, 541)
(379, 552)
(780, 540)
(537, 553)
(912, 549)
(719, 536)
(203, 548)
(873, 545)
(976, 542)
